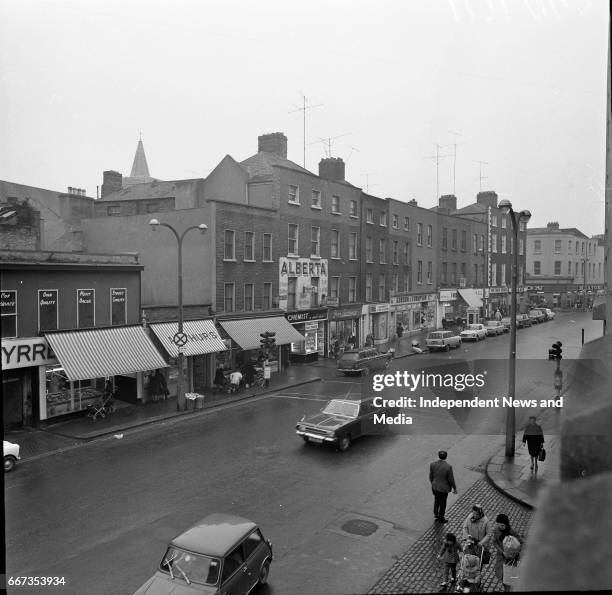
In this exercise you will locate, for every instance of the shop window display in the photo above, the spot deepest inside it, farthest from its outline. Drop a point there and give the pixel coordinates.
(64, 396)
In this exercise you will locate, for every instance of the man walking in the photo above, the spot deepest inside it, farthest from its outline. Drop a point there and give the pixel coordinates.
(442, 482)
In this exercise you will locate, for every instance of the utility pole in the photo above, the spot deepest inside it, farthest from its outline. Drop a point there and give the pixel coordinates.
(480, 176)
(455, 134)
(303, 109)
(437, 157)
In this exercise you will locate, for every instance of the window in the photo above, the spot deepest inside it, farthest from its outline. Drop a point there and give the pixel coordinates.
(463, 240)
(407, 281)
(353, 208)
(521, 276)
(291, 289)
(493, 242)
(315, 244)
(419, 272)
(503, 221)
(353, 246)
(369, 216)
(503, 274)
(113, 210)
(557, 267)
(406, 223)
(429, 271)
(381, 287)
(315, 199)
(537, 267)
(482, 243)
(248, 296)
(228, 297)
(352, 289)
(537, 246)
(294, 194)
(267, 247)
(576, 269)
(475, 243)
(251, 543)
(569, 268)
(395, 282)
(494, 275)
(557, 246)
(503, 244)
(577, 247)
(8, 309)
(382, 251)
(454, 273)
(429, 235)
(369, 255)
(368, 288)
(521, 246)
(335, 244)
(292, 245)
(419, 234)
(444, 273)
(395, 244)
(118, 306)
(522, 227)
(233, 561)
(230, 245)
(494, 220)
(395, 221)
(475, 274)
(383, 219)
(445, 238)
(569, 246)
(334, 284)
(267, 296)
(249, 245)
(314, 296)
(86, 308)
(335, 205)
(406, 253)
(583, 247)
(454, 239)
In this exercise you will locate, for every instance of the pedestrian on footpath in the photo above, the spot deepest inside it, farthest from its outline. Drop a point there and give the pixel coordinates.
(534, 437)
(449, 556)
(442, 482)
(477, 525)
(501, 531)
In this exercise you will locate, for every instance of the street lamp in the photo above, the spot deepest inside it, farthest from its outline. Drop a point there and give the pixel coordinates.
(516, 218)
(584, 281)
(154, 223)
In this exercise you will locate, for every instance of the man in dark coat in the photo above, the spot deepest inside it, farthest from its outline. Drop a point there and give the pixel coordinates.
(442, 482)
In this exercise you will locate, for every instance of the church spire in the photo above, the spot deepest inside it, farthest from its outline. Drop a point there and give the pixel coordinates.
(140, 169)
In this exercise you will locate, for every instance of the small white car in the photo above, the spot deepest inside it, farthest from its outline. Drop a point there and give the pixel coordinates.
(474, 332)
(439, 340)
(11, 455)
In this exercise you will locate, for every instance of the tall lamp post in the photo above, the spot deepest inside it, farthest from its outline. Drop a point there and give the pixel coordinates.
(516, 219)
(584, 282)
(154, 223)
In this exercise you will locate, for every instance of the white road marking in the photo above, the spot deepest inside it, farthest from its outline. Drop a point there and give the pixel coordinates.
(306, 397)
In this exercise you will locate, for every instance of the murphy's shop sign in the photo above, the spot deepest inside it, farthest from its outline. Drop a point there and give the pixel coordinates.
(24, 353)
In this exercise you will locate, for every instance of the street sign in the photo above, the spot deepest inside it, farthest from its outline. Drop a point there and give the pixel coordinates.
(180, 339)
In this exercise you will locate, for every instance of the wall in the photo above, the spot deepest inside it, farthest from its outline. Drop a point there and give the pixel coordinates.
(158, 253)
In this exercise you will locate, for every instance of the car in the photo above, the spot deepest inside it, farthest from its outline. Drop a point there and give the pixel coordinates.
(536, 315)
(548, 313)
(340, 422)
(523, 320)
(495, 327)
(223, 553)
(11, 455)
(506, 322)
(473, 332)
(442, 340)
(363, 361)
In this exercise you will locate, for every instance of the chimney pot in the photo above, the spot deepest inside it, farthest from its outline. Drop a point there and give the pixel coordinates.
(275, 143)
(332, 168)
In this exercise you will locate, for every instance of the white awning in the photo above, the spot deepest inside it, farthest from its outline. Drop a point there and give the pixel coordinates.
(247, 332)
(470, 297)
(202, 337)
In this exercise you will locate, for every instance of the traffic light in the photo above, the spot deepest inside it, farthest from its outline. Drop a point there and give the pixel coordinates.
(271, 340)
(555, 352)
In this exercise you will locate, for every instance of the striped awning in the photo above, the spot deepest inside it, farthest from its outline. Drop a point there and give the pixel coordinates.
(202, 337)
(97, 353)
(247, 332)
(471, 298)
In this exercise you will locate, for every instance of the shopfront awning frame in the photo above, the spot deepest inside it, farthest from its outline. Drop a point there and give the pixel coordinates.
(470, 297)
(247, 332)
(202, 337)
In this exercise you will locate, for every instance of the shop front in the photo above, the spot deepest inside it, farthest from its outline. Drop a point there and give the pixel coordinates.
(312, 325)
(470, 308)
(415, 312)
(245, 335)
(344, 325)
(377, 323)
(21, 360)
(87, 360)
(448, 310)
(203, 344)
(498, 299)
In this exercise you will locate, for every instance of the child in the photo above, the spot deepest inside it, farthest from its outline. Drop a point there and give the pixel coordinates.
(470, 567)
(449, 556)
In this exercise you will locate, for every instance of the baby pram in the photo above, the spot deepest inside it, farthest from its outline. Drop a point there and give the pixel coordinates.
(469, 576)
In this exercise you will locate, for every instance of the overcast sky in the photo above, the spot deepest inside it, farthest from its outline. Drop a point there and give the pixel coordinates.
(522, 81)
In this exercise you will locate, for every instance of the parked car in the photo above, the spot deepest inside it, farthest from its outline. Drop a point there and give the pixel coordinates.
(442, 340)
(363, 361)
(495, 327)
(548, 313)
(474, 332)
(506, 322)
(523, 320)
(536, 315)
(11, 455)
(223, 553)
(340, 422)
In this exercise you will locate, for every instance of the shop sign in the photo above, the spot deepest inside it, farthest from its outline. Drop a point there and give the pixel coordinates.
(306, 315)
(8, 309)
(412, 299)
(118, 305)
(311, 326)
(379, 308)
(23, 353)
(448, 295)
(498, 290)
(86, 306)
(47, 309)
(308, 276)
(345, 313)
(332, 301)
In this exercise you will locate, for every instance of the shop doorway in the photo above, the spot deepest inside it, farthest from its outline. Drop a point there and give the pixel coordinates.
(12, 391)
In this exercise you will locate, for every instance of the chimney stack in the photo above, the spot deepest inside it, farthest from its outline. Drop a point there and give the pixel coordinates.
(553, 225)
(413, 202)
(448, 201)
(487, 199)
(332, 168)
(275, 143)
(112, 181)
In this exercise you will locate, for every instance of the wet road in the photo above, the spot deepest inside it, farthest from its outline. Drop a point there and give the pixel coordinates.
(101, 515)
